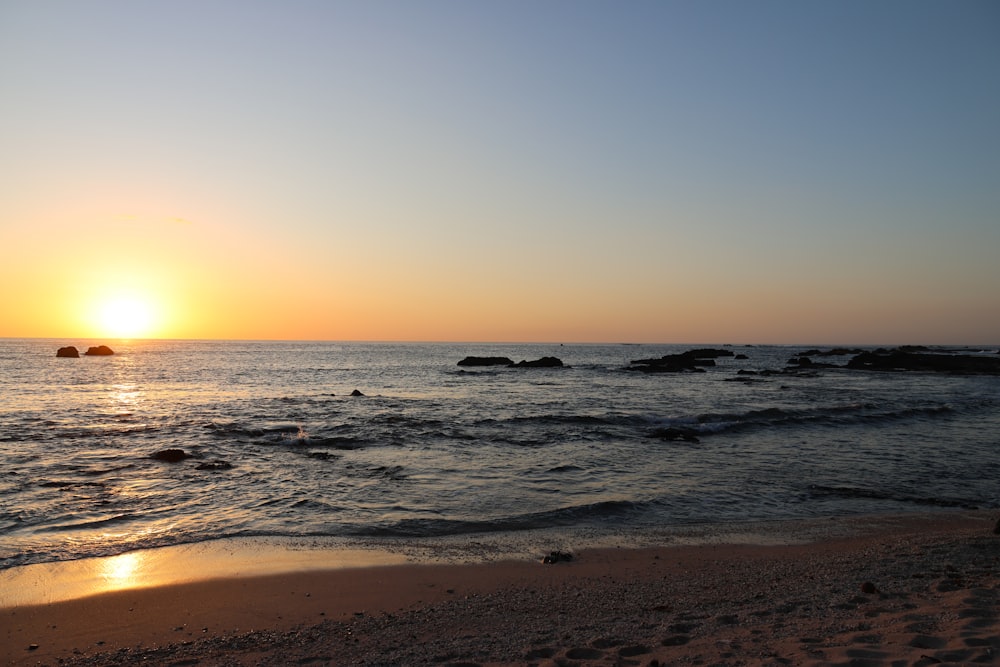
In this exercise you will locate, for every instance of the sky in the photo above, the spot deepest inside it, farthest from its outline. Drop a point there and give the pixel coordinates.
(772, 171)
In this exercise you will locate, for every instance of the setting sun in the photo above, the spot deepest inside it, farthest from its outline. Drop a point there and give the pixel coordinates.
(125, 317)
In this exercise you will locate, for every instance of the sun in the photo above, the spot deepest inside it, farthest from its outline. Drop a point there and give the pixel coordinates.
(125, 317)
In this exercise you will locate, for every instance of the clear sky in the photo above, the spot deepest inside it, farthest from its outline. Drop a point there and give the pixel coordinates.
(566, 170)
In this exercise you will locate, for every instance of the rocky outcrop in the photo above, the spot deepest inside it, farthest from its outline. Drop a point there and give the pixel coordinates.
(806, 362)
(216, 465)
(833, 352)
(99, 351)
(903, 360)
(690, 361)
(69, 352)
(170, 455)
(544, 362)
(356, 392)
(486, 361)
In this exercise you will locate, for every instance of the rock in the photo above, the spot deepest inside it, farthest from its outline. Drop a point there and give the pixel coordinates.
(99, 351)
(709, 353)
(741, 357)
(215, 465)
(356, 392)
(903, 360)
(557, 557)
(690, 361)
(69, 352)
(869, 588)
(170, 455)
(486, 361)
(802, 362)
(544, 362)
(996, 529)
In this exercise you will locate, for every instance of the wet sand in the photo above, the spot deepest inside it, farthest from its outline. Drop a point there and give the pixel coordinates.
(914, 590)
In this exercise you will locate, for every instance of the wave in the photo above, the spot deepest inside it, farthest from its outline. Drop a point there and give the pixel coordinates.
(836, 415)
(293, 435)
(84, 525)
(859, 493)
(567, 516)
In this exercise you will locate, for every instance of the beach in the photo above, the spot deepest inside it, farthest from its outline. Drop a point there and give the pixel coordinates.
(905, 590)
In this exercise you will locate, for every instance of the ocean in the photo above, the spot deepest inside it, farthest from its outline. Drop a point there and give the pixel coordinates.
(279, 447)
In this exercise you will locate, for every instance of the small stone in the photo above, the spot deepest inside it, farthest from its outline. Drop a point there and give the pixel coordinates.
(356, 392)
(557, 557)
(869, 588)
(32, 647)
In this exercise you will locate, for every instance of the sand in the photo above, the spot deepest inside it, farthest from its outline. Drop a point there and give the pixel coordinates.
(915, 590)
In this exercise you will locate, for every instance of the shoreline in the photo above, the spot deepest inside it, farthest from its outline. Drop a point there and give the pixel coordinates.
(247, 557)
(724, 598)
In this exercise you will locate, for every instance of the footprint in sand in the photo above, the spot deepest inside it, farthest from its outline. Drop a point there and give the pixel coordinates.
(584, 653)
(676, 640)
(633, 651)
(542, 653)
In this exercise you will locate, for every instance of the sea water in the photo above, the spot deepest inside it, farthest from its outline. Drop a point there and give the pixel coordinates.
(279, 446)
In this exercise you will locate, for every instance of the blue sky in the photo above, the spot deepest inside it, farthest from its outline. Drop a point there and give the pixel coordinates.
(768, 171)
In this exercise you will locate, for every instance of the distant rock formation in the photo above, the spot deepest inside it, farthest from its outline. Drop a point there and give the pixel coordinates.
(486, 361)
(69, 352)
(356, 392)
(544, 362)
(833, 352)
(805, 362)
(690, 361)
(99, 351)
(903, 360)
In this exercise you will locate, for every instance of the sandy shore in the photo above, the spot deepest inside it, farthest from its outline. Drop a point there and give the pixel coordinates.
(915, 590)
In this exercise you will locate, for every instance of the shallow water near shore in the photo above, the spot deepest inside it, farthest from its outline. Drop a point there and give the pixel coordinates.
(433, 450)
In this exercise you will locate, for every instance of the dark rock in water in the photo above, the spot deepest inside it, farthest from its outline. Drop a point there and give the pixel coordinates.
(215, 465)
(170, 455)
(323, 456)
(557, 557)
(69, 352)
(709, 353)
(833, 352)
(805, 362)
(356, 392)
(673, 433)
(486, 361)
(544, 362)
(690, 361)
(99, 351)
(901, 360)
